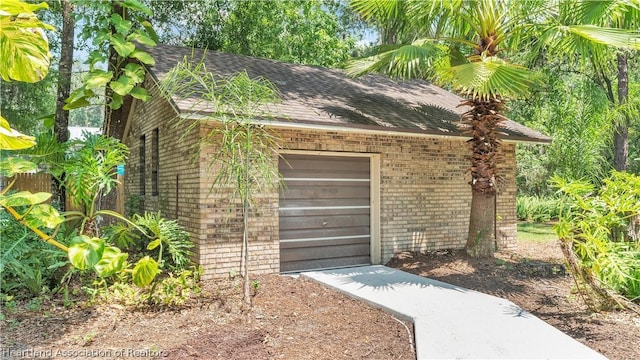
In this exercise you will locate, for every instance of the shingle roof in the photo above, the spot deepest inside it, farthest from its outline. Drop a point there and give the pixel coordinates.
(320, 96)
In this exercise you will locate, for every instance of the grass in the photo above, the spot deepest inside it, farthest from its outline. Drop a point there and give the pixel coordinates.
(528, 231)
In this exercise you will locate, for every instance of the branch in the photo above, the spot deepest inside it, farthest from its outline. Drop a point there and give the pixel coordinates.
(46, 238)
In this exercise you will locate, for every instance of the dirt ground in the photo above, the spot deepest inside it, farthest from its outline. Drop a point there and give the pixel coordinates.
(298, 319)
(290, 319)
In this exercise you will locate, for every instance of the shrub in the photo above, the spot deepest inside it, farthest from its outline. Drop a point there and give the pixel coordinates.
(538, 208)
(599, 231)
(28, 266)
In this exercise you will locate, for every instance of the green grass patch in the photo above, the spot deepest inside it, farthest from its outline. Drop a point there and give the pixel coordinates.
(529, 231)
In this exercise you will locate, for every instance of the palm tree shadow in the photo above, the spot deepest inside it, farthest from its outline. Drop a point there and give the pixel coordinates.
(382, 278)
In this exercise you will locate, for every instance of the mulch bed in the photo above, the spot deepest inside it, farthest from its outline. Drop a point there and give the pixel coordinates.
(299, 319)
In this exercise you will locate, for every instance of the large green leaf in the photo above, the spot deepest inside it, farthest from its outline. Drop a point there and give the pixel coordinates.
(11, 139)
(112, 261)
(491, 77)
(150, 30)
(121, 25)
(12, 165)
(16, 7)
(141, 38)
(145, 271)
(144, 57)
(135, 72)
(80, 103)
(122, 86)
(44, 215)
(24, 198)
(138, 6)
(406, 61)
(24, 48)
(619, 38)
(85, 252)
(98, 78)
(116, 101)
(140, 93)
(121, 46)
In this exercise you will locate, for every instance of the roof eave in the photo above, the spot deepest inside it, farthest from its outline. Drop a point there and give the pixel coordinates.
(366, 129)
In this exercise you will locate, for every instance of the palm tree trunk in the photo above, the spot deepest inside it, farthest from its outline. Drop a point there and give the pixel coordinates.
(61, 125)
(481, 240)
(483, 120)
(621, 134)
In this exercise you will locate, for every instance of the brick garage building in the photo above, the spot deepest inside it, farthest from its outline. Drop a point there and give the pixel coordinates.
(371, 167)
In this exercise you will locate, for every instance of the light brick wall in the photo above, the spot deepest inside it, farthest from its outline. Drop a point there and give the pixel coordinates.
(178, 172)
(424, 191)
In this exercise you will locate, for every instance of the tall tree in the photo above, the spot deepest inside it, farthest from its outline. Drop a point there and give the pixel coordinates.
(621, 132)
(243, 151)
(467, 43)
(314, 32)
(607, 65)
(61, 123)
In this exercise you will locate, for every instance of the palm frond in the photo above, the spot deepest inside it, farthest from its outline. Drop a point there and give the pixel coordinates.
(618, 38)
(405, 61)
(491, 77)
(619, 14)
(379, 10)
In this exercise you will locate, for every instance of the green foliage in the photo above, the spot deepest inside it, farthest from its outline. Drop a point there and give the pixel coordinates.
(24, 48)
(602, 227)
(27, 103)
(245, 151)
(537, 209)
(176, 289)
(168, 237)
(91, 168)
(145, 271)
(313, 32)
(121, 26)
(172, 290)
(84, 252)
(574, 112)
(28, 266)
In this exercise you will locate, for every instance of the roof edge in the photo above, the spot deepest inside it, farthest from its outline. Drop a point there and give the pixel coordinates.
(367, 129)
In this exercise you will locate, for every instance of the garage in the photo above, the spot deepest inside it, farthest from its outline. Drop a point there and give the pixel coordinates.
(324, 211)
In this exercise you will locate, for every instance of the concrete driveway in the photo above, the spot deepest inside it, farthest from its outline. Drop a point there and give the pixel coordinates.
(452, 322)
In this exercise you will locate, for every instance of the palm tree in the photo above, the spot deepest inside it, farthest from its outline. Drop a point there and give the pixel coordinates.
(622, 15)
(465, 44)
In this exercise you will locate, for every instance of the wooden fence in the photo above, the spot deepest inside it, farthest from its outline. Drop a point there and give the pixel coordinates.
(37, 182)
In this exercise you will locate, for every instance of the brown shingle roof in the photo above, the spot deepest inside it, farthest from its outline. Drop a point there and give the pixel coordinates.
(321, 96)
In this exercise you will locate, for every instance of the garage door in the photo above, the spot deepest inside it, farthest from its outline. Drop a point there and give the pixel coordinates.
(324, 212)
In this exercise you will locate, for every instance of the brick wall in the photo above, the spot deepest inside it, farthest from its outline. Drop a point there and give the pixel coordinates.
(425, 196)
(424, 200)
(178, 167)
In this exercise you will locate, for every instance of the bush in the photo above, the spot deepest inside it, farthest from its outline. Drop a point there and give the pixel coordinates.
(28, 266)
(538, 208)
(599, 232)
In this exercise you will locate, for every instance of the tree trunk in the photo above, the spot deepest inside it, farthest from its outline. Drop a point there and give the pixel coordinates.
(483, 119)
(61, 124)
(621, 133)
(481, 241)
(113, 119)
(244, 257)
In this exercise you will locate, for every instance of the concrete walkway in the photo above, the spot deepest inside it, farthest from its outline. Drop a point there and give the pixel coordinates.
(452, 322)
